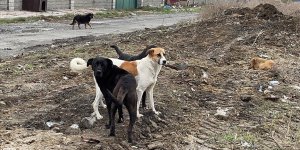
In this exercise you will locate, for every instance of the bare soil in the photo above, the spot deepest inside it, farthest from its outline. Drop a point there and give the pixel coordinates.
(38, 87)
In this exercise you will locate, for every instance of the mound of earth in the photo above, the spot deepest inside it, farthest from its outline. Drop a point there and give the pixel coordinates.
(262, 11)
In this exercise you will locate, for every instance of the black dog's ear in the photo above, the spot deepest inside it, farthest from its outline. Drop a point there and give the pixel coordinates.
(109, 63)
(90, 61)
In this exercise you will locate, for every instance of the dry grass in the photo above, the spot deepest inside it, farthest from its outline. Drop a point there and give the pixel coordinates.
(217, 7)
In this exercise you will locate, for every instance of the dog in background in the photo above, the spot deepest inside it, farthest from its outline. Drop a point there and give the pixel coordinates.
(145, 70)
(262, 64)
(82, 19)
(118, 87)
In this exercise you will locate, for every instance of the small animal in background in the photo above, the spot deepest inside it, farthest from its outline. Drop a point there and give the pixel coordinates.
(262, 64)
(82, 19)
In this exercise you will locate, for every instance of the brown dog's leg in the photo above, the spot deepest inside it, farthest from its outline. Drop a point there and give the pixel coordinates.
(132, 110)
(85, 25)
(78, 25)
(113, 114)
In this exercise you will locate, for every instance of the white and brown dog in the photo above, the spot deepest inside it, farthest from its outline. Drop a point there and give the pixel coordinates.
(145, 71)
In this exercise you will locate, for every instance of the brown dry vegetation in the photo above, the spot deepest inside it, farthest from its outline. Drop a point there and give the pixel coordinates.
(39, 87)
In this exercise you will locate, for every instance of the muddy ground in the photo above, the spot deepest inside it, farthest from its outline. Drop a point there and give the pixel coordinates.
(38, 88)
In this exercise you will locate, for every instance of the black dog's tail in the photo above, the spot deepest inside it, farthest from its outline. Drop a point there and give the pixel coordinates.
(120, 97)
(145, 51)
(119, 52)
(74, 21)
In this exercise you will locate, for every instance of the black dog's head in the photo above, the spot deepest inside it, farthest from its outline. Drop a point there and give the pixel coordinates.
(101, 66)
(90, 15)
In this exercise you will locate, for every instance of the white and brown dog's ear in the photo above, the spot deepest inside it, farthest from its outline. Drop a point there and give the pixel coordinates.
(90, 62)
(151, 52)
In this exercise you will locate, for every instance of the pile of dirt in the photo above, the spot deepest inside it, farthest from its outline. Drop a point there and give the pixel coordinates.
(262, 11)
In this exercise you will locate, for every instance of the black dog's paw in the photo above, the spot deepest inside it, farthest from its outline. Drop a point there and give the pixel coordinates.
(120, 120)
(107, 126)
(112, 134)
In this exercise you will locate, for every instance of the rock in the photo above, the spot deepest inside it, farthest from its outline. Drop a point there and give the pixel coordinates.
(153, 124)
(98, 146)
(74, 126)
(2, 103)
(157, 136)
(222, 113)
(155, 145)
(87, 122)
(272, 98)
(177, 66)
(246, 98)
(273, 83)
(72, 131)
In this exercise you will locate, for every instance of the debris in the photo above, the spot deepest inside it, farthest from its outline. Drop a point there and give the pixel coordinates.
(264, 56)
(7, 49)
(204, 74)
(222, 113)
(53, 46)
(296, 87)
(155, 145)
(246, 98)
(193, 89)
(272, 98)
(134, 147)
(245, 144)
(65, 78)
(284, 99)
(177, 66)
(90, 140)
(274, 83)
(260, 88)
(51, 124)
(2, 103)
(74, 126)
(87, 122)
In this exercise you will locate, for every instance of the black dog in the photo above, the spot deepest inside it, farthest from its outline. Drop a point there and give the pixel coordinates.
(82, 19)
(118, 86)
(129, 57)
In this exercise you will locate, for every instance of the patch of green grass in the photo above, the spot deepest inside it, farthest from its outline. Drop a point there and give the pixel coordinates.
(80, 50)
(248, 137)
(29, 66)
(229, 137)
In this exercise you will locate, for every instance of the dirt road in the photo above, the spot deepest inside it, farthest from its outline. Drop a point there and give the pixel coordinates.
(16, 37)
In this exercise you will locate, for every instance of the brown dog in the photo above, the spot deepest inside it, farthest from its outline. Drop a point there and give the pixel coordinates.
(262, 64)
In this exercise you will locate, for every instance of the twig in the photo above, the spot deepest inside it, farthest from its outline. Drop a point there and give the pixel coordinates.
(288, 126)
(260, 32)
(277, 143)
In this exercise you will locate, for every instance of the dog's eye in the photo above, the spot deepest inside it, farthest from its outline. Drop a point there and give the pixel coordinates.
(159, 55)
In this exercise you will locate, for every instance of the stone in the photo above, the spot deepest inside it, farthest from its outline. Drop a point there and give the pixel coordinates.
(155, 145)
(87, 122)
(246, 98)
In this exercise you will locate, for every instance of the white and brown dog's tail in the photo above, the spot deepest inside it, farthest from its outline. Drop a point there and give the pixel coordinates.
(78, 65)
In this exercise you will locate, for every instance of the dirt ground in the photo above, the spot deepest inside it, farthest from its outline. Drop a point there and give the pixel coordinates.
(38, 88)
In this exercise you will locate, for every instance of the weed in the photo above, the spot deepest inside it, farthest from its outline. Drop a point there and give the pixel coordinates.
(229, 137)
